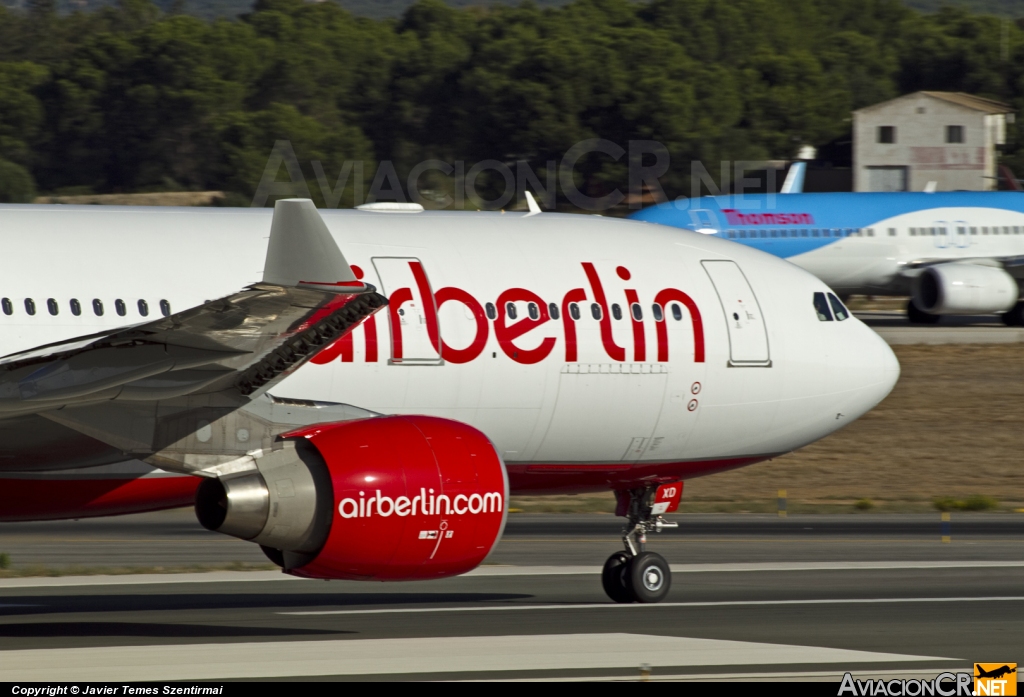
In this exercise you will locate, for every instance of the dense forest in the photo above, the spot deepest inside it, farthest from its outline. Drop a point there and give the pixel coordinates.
(380, 9)
(132, 98)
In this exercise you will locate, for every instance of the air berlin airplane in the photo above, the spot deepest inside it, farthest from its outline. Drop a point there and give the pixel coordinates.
(367, 416)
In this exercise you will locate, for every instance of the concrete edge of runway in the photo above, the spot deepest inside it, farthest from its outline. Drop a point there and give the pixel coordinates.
(265, 576)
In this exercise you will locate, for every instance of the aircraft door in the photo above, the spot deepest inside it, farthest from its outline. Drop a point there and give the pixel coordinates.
(748, 336)
(415, 331)
(705, 221)
(963, 240)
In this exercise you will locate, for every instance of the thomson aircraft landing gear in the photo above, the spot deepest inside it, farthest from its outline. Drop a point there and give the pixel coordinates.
(636, 575)
(916, 316)
(1014, 317)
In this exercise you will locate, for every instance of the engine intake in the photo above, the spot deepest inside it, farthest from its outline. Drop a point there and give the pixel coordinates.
(964, 289)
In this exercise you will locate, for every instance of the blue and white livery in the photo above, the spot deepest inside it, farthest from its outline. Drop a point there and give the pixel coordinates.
(954, 253)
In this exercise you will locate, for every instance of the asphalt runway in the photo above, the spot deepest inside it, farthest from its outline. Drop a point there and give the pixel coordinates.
(175, 539)
(982, 329)
(753, 597)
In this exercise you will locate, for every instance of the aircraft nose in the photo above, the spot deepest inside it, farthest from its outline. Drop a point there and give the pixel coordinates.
(874, 369)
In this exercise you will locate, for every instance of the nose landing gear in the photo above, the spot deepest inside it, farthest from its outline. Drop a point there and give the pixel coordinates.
(636, 575)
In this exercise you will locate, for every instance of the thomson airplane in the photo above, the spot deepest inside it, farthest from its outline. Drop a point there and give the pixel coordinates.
(367, 415)
(958, 253)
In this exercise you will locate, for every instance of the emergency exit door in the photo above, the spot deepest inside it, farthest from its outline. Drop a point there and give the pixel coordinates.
(748, 337)
(412, 313)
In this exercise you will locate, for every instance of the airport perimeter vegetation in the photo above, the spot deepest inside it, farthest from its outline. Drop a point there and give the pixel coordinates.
(128, 98)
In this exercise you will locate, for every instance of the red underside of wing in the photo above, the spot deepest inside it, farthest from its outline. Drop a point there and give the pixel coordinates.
(61, 497)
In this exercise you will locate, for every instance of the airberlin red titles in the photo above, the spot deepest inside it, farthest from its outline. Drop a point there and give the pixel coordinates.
(441, 504)
(507, 333)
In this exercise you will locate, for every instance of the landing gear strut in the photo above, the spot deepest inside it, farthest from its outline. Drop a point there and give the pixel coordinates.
(636, 575)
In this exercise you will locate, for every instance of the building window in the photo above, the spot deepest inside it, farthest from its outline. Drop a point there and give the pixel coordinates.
(954, 134)
(886, 134)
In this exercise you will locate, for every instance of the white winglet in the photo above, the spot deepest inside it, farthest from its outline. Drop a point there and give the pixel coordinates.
(531, 202)
(930, 187)
(302, 251)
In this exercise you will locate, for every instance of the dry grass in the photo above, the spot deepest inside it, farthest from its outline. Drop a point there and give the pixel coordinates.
(953, 427)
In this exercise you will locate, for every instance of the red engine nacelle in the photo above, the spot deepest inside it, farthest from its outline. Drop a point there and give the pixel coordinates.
(410, 498)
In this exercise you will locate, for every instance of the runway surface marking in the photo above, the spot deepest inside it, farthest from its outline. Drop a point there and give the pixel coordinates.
(258, 576)
(609, 605)
(419, 655)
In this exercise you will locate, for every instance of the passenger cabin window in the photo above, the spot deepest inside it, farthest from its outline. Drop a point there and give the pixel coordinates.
(616, 311)
(838, 309)
(677, 312)
(574, 311)
(553, 311)
(887, 134)
(638, 312)
(144, 308)
(658, 313)
(595, 310)
(492, 312)
(892, 232)
(120, 307)
(821, 307)
(165, 308)
(954, 134)
(533, 310)
(510, 310)
(8, 306)
(51, 305)
(76, 307)
(732, 234)
(30, 306)
(974, 231)
(97, 307)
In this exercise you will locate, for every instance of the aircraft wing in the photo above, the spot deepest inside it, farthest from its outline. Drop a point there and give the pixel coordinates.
(236, 347)
(1012, 265)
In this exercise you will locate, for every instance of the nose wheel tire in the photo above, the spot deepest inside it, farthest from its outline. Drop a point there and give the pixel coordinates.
(649, 577)
(615, 578)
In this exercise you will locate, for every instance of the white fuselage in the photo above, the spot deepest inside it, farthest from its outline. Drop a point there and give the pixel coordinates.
(877, 258)
(772, 377)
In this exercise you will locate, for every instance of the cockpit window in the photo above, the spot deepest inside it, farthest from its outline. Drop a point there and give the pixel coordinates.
(821, 307)
(838, 308)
